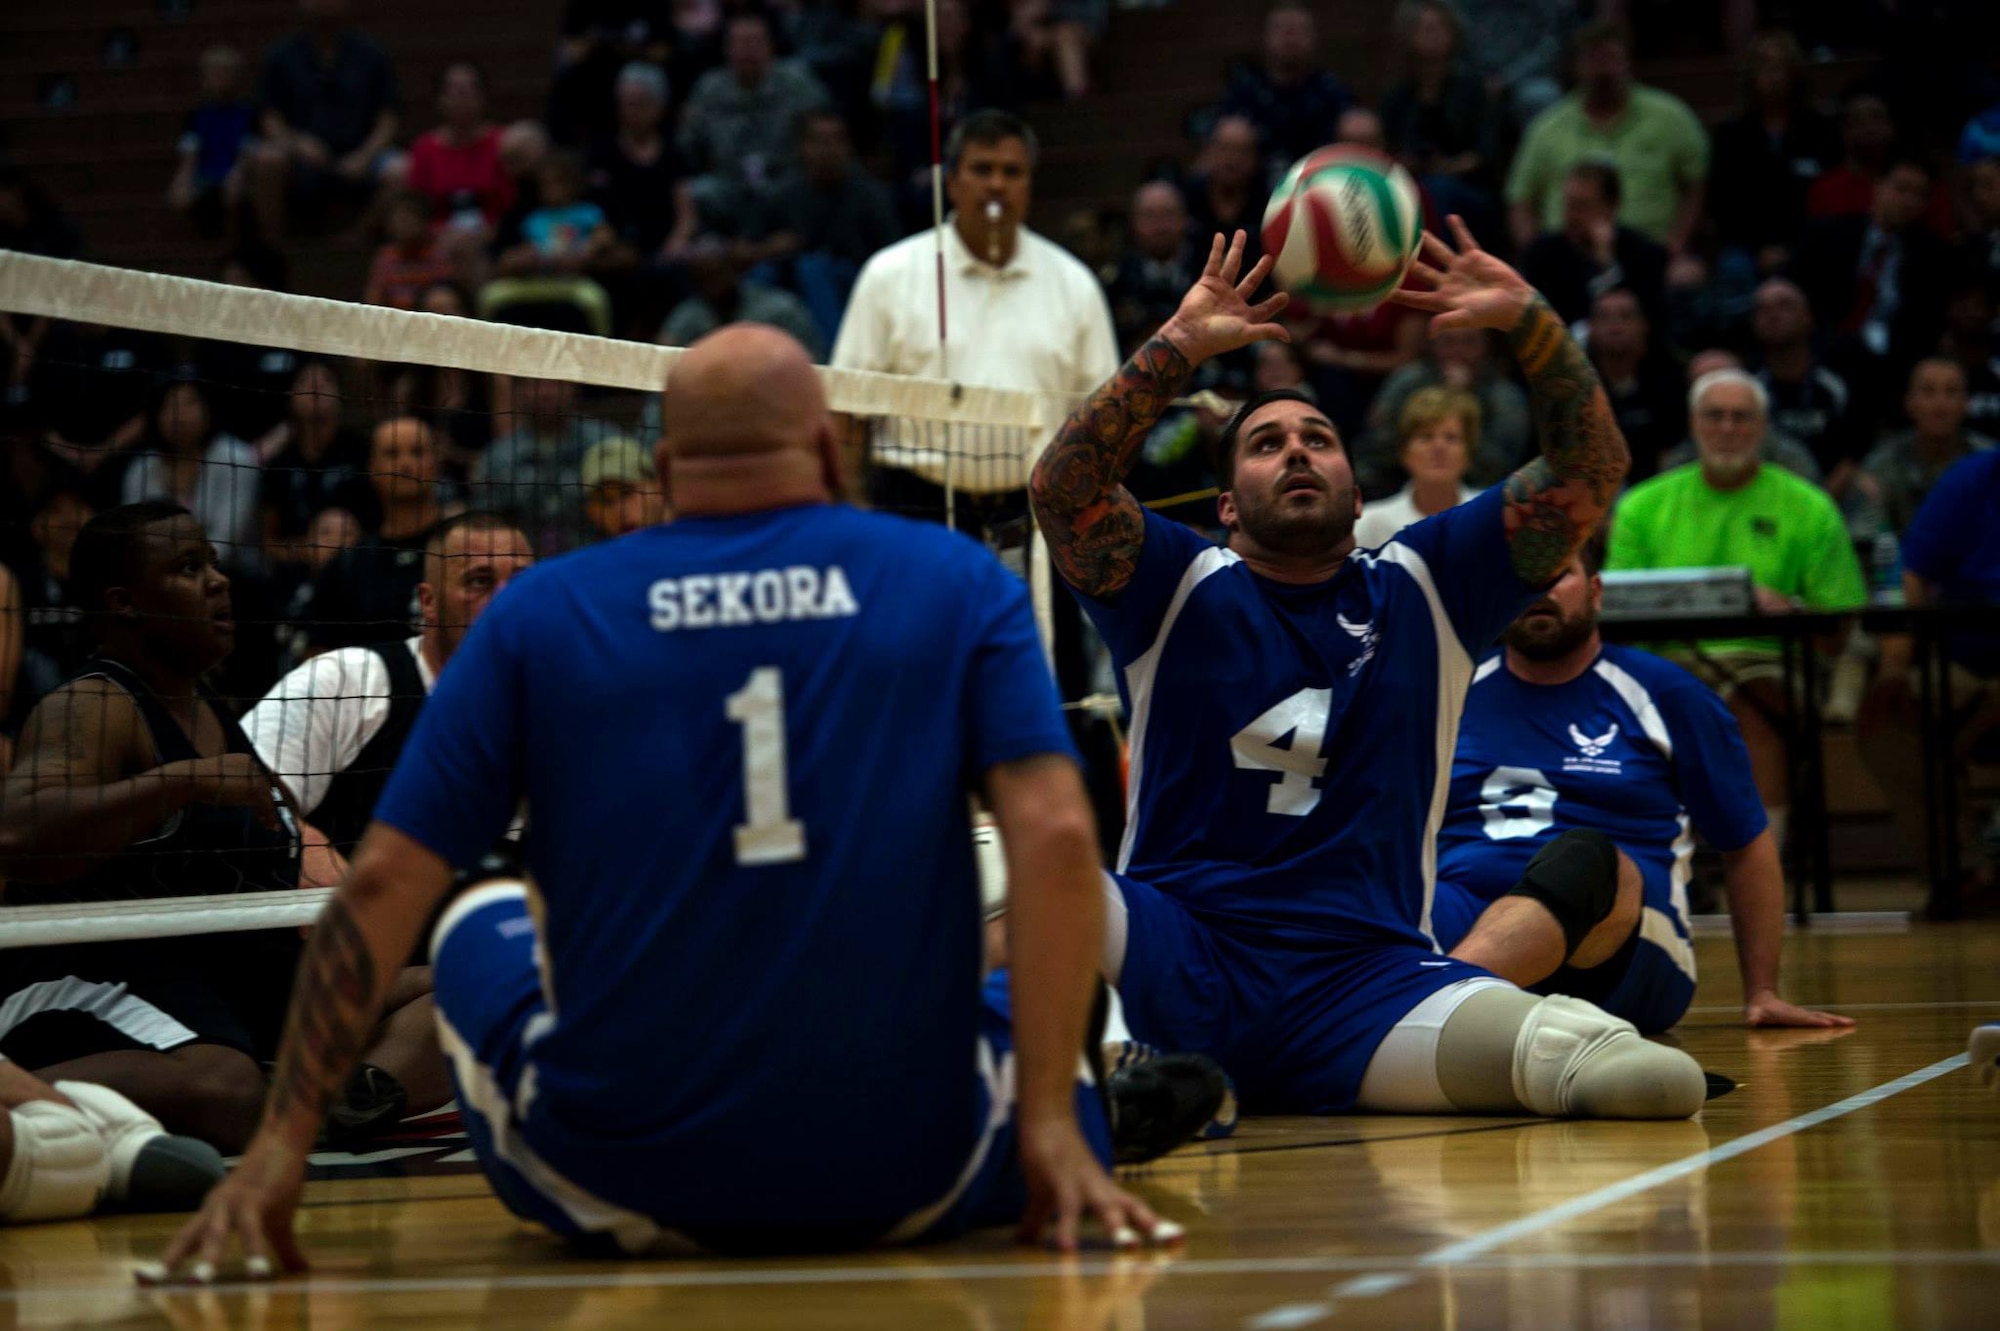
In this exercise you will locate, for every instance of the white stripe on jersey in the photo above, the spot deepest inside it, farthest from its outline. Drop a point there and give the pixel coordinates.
(1486, 668)
(1681, 950)
(1454, 678)
(1656, 929)
(1634, 695)
(482, 1094)
(1139, 685)
(1654, 925)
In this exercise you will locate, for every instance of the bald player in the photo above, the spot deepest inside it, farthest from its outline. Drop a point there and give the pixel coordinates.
(745, 742)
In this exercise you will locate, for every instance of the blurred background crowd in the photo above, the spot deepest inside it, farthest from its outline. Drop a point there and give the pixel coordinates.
(1805, 193)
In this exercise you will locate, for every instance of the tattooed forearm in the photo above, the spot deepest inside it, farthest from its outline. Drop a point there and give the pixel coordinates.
(1093, 525)
(334, 1010)
(1556, 501)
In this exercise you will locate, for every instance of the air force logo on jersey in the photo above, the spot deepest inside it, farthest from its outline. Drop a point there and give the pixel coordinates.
(1593, 748)
(1364, 633)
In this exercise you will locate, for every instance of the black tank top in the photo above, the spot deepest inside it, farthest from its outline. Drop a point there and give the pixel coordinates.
(349, 802)
(201, 850)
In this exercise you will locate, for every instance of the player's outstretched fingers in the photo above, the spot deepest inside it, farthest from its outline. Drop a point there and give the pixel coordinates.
(1232, 262)
(257, 1247)
(1214, 264)
(1422, 270)
(185, 1242)
(1125, 1218)
(1258, 272)
(1435, 302)
(1041, 1222)
(1436, 251)
(1462, 233)
(215, 1246)
(1068, 1216)
(1261, 328)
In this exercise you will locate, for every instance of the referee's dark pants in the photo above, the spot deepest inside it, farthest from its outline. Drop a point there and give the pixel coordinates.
(1002, 520)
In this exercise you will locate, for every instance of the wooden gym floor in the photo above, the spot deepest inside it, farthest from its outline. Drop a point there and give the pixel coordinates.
(1851, 1182)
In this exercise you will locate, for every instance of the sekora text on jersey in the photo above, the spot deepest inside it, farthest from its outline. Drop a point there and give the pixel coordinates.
(766, 596)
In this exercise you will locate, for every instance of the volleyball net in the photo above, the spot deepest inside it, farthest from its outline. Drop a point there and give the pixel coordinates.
(323, 446)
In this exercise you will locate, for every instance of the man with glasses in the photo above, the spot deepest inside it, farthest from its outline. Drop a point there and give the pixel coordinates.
(1729, 509)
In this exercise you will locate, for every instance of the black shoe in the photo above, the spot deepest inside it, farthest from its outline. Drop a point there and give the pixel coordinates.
(1162, 1103)
(370, 1104)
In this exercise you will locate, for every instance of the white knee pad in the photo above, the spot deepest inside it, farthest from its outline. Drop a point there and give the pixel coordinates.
(124, 1126)
(59, 1167)
(1574, 1060)
(991, 853)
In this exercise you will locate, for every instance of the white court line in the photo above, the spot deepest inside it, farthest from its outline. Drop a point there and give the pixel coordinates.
(1374, 1274)
(669, 1276)
(1991, 1004)
(1465, 1251)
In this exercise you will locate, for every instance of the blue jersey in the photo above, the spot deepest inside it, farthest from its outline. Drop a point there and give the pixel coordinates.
(745, 745)
(1954, 544)
(1291, 745)
(1635, 747)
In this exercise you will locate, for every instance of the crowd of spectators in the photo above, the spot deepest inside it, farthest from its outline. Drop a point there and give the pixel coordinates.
(1793, 309)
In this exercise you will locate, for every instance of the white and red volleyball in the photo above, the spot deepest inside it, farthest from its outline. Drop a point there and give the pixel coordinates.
(1344, 224)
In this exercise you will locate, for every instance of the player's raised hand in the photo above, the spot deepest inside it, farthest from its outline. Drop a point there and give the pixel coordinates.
(1066, 1185)
(253, 1209)
(1467, 288)
(1216, 314)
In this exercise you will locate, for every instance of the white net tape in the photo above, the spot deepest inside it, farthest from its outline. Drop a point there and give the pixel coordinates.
(164, 917)
(186, 307)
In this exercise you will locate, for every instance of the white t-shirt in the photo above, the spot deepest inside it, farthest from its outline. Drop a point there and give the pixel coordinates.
(1039, 323)
(315, 721)
(226, 490)
(1381, 520)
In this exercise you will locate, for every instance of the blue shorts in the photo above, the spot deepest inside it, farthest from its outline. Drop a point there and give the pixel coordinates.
(492, 1009)
(1649, 982)
(1293, 1021)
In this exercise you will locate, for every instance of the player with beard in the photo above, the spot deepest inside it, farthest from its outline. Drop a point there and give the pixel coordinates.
(1565, 733)
(1294, 703)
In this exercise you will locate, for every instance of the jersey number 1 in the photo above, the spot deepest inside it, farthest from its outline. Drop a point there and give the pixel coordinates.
(772, 835)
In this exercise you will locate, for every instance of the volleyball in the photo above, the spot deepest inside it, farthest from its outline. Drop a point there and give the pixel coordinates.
(1344, 224)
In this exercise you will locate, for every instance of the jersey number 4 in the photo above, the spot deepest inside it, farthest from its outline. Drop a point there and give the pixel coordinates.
(772, 835)
(1287, 739)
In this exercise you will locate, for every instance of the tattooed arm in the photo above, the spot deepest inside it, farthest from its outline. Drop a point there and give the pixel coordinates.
(1556, 501)
(1093, 525)
(1559, 499)
(356, 949)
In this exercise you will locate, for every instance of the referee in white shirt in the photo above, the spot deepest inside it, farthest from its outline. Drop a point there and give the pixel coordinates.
(1021, 312)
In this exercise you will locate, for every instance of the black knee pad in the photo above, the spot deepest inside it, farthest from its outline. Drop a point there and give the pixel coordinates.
(1576, 878)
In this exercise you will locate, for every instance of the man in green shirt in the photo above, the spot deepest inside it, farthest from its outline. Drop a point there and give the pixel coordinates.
(1655, 141)
(1729, 508)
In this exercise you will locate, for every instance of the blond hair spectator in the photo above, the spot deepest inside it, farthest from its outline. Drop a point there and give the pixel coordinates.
(1436, 435)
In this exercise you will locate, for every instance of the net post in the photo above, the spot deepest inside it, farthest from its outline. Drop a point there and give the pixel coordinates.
(1041, 589)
